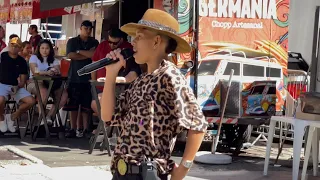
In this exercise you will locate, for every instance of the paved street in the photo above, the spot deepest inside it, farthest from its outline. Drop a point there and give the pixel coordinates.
(64, 158)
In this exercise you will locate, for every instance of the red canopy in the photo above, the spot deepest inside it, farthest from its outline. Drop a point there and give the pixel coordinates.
(37, 14)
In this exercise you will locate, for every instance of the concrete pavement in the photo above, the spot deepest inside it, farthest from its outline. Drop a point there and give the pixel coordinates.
(43, 172)
(70, 158)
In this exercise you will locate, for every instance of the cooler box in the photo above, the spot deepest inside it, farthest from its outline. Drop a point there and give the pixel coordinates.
(64, 67)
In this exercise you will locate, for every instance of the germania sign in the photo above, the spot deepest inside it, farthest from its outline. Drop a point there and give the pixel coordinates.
(255, 9)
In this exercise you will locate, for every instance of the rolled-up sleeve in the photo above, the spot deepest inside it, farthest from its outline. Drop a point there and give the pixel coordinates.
(184, 107)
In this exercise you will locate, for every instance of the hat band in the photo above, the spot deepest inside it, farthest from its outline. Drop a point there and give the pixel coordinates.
(157, 26)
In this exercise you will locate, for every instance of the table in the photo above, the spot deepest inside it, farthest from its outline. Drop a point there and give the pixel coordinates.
(43, 104)
(101, 126)
(299, 130)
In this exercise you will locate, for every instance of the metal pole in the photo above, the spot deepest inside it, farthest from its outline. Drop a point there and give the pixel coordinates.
(216, 141)
(21, 30)
(46, 28)
(28, 32)
(315, 53)
(195, 43)
(120, 13)
(149, 4)
(101, 10)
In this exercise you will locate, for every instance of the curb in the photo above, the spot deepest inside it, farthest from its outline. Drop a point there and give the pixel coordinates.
(23, 154)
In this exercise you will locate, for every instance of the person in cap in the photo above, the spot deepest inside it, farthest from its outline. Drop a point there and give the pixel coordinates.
(35, 37)
(6, 49)
(156, 107)
(13, 78)
(80, 50)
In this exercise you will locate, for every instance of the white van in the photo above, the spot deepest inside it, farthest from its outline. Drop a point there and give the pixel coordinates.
(246, 70)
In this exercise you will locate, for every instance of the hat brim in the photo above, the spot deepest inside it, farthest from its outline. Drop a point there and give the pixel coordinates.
(16, 45)
(182, 47)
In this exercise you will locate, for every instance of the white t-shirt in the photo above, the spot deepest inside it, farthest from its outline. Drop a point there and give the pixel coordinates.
(42, 66)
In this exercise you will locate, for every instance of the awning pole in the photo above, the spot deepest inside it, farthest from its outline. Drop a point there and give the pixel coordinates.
(20, 30)
(120, 13)
(101, 9)
(46, 28)
(27, 32)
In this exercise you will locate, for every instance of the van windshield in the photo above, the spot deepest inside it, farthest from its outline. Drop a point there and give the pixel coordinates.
(208, 67)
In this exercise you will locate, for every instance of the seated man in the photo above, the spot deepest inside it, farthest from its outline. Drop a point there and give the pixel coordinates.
(13, 77)
(130, 73)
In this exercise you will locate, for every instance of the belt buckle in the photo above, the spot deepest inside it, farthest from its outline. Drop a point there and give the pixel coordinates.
(122, 167)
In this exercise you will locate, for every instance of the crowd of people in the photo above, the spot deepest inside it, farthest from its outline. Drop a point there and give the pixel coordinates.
(38, 57)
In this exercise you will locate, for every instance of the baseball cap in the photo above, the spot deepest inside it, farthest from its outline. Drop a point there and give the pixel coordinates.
(16, 42)
(87, 23)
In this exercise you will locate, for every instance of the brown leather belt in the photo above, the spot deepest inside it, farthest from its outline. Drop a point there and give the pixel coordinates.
(132, 169)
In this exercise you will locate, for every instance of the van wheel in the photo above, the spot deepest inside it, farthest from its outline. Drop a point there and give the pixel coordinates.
(271, 110)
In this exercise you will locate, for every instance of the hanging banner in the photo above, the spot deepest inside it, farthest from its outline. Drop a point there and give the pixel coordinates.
(98, 26)
(87, 9)
(4, 11)
(20, 11)
(170, 6)
(77, 8)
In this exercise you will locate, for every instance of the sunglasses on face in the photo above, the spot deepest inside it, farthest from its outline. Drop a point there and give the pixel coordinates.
(113, 43)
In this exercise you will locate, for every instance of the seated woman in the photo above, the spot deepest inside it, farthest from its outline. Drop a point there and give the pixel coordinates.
(26, 50)
(43, 63)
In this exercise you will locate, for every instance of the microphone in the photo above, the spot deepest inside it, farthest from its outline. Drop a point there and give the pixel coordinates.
(126, 53)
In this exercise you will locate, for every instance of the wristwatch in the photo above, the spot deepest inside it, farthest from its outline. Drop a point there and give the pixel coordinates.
(78, 51)
(186, 163)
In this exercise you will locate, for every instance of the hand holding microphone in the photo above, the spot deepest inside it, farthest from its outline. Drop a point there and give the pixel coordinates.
(114, 55)
(113, 62)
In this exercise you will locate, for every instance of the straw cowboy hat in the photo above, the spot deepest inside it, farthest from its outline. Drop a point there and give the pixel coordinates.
(161, 22)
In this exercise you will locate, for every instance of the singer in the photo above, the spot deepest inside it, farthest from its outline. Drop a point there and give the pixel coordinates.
(156, 107)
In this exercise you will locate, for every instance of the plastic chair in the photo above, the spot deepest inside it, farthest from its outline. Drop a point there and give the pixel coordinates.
(313, 141)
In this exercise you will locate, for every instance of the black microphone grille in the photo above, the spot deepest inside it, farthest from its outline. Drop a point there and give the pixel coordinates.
(127, 53)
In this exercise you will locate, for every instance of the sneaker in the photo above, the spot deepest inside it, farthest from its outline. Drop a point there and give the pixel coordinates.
(10, 123)
(49, 121)
(79, 133)
(3, 125)
(71, 133)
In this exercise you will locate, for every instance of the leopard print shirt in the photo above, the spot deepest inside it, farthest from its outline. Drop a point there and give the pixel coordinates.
(153, 110)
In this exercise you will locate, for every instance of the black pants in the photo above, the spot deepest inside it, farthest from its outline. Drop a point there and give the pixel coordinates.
(117, 176)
